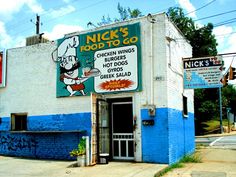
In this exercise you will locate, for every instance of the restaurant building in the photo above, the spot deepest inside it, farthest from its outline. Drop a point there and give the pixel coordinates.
(120, 85)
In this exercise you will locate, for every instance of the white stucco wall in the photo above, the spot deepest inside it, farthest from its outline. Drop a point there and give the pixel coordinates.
(31, 84)
(177, 48)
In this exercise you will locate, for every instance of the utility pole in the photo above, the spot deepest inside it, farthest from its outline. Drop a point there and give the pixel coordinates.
(37, 24)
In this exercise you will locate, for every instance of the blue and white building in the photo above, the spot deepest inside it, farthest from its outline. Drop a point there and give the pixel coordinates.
(123, 89)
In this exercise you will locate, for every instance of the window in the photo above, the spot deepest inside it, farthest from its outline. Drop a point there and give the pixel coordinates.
(185, 106)
(19, 122)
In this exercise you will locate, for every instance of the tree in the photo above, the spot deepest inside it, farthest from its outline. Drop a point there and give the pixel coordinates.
(125, 14)
(203, 43)
(229, 98)
(201, 39)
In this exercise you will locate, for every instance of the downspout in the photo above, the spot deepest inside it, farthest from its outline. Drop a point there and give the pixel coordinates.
(151, 20)
(152, 72)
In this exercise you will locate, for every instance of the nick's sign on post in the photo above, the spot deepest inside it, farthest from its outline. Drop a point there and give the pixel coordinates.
(202, 72)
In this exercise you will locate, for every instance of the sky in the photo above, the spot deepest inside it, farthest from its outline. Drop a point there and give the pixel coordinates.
(59, 17)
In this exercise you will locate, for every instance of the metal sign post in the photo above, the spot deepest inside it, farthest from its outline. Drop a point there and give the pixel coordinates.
(220, 104)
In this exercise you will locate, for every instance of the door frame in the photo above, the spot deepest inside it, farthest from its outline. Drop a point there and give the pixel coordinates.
(120, 101)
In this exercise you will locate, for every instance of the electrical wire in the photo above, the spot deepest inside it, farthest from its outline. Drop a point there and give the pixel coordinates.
(232, 20)
(201, 7)
(203, 18)
(45, 12)
(55, 18)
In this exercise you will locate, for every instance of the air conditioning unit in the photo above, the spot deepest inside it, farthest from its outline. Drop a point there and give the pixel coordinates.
(36, 39)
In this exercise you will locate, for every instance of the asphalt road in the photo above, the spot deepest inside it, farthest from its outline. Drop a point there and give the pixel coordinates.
(228, 142)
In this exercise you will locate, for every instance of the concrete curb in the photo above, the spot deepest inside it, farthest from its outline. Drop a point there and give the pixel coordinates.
(217, 135)
(157, 174)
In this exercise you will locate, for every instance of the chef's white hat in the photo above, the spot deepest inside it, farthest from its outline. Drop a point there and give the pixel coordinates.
(67, 48)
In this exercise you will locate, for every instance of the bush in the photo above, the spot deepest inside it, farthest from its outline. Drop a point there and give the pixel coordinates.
(81, 150)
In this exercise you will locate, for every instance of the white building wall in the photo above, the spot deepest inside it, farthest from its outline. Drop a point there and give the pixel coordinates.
(177, 48)
(31, 84)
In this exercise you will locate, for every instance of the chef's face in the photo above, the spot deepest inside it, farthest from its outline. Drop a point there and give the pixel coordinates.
(68, 62)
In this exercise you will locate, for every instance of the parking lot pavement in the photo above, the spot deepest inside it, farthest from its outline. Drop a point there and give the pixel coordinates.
(20, 167)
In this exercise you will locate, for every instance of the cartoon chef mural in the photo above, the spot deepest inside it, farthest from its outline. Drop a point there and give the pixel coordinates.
(70, 65)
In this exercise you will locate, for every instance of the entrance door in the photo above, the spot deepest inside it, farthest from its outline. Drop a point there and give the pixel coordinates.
(103, 127)
(122, 131)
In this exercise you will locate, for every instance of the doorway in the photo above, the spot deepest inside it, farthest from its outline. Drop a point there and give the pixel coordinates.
(115, 128)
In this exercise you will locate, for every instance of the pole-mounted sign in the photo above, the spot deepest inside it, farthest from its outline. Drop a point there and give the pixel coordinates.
(202, 72)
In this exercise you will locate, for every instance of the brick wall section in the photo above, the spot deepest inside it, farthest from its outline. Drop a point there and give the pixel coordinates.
(5, 124)
(155, 138)
(45, 145)
(170, 138)
(181, 135)
(63, 122)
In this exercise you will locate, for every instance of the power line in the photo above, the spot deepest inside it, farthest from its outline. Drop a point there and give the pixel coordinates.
(216, 15)
(226, 34)
(232, 20)
(49, 21)
(45, 12)
(201, 7)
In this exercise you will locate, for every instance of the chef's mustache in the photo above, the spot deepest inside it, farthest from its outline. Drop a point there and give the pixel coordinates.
(74, 67)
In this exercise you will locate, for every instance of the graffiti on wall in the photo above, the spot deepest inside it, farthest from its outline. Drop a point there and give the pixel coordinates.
(14, 143)
(103, 61)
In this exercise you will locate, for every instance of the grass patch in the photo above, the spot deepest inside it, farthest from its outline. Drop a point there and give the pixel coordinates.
(213, 126)
(169, 168)
(191, 158)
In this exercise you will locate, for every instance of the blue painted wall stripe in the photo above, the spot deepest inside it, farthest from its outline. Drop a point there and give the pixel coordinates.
(170, 138)
(45, 145)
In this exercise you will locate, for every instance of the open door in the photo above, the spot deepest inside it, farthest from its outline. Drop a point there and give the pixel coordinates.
(103, 129)
(122, 129)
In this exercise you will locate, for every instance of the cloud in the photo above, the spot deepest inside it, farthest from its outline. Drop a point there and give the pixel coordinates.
(5, 39)
(13, 6)
(225, 38)
(188, 6)
(66, 1)
(61, 12)
(60, 30)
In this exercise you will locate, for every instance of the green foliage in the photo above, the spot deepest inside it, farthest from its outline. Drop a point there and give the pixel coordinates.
(229, 97)
(185, 24)
(81, 150)
(125, 14)
(206, 105)
(169, 168)
(201, 39)
(190, 158)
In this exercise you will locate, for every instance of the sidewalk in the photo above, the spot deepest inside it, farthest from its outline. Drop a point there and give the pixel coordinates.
(215, 163)
(19, 167)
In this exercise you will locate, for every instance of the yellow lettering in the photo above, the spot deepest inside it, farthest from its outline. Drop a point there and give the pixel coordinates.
(105, 36)
(98, 37)
(124, 31)
(113, 34)
(92, 39)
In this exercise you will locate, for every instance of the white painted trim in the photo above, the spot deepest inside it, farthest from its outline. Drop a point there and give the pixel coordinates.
(218, 139)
